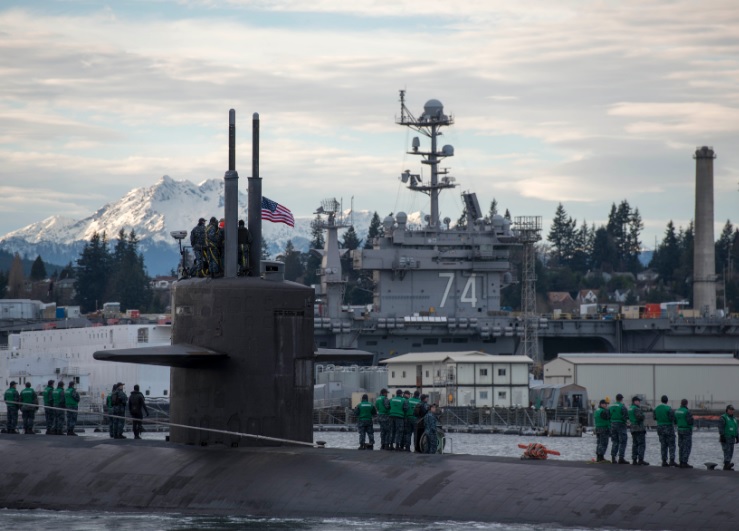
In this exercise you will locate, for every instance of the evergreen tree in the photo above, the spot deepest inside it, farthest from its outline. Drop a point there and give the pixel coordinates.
(666, 257)
(16, 279)
(493, 211)
(350, 239)
(605, 252)
(313, 260)
(38, 270)
(293, 265)
(375, 230)
(562, 236)
(93, 268)
(129, 283)
(723, 247)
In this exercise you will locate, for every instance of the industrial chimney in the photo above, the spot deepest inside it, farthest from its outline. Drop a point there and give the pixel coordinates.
(704, 256)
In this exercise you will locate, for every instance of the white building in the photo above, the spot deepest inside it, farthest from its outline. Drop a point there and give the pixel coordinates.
(705, 380)
(463, 378)
(67, 354)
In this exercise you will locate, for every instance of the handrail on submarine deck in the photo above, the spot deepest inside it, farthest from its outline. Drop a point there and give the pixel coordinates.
(319, 444)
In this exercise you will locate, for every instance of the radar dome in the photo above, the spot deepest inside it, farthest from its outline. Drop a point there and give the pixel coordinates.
(433, 110)
(401, 218)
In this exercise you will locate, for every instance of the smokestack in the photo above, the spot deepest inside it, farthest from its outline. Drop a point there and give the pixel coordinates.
(255, 203)
(704, 255)
(231, 193)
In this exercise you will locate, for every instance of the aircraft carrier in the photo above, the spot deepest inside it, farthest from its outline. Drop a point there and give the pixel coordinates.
(437, 287)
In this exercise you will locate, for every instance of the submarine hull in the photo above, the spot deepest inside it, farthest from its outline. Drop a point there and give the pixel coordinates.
(92, 474)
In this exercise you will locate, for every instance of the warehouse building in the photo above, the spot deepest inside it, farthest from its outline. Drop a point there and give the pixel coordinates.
(706, 380)
(468, 378)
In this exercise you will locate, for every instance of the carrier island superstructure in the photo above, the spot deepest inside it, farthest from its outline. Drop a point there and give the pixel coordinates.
(437, 287)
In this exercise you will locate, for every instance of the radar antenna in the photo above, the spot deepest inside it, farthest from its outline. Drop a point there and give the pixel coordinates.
(428, 124)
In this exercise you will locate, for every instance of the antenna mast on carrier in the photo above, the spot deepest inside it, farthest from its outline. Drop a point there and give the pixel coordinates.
(428, 124)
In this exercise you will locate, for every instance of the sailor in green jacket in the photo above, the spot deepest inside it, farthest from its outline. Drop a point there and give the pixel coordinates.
(638, 432)
(12, 397)
(619, 436)
(29, 405)
(728, 435)
(684, 421)
(665, 418)
(49, 403)
(72, 400)
(602, 420)
(398, 407)
(365, 413)
(383, 408)
(59, 402)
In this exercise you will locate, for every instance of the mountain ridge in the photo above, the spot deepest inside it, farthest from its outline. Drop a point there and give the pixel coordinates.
(153, 212)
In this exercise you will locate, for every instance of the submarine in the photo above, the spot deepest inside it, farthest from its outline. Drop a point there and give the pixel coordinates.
(241, 443)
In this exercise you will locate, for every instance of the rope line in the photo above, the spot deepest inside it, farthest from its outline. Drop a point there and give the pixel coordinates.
(171, 424)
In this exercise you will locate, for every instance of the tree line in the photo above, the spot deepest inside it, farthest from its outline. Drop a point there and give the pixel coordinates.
(577, 256)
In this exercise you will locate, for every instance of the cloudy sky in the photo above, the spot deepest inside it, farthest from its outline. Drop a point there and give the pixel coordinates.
(585, 103)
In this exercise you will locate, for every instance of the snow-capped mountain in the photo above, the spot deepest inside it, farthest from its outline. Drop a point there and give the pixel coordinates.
(153, 212)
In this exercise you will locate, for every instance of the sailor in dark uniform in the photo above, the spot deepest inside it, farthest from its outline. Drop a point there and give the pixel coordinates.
(197, 242)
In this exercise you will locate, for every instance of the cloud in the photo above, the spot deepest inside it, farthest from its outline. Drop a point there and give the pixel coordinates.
(584, 103)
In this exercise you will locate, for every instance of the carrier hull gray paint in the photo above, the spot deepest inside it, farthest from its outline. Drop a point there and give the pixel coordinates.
(90, 474)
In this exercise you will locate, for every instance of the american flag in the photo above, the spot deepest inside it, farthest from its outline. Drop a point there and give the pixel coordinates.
(276, 213)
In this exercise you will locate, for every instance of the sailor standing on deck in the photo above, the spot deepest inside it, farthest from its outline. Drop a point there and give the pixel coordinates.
(29, 405)
(383, 408)
(684, 421)
(638, 432)
(728, 435)
(619, 436)
(665, 418)
(72, 400)
(48, 403)
(120, 399)
(602, 420)
(197, 242)
(137, 408)
(398, 407)
(420, 413)
(109, 406)
(430, 425)
(60, 404)
(12, 397)
(365, 413)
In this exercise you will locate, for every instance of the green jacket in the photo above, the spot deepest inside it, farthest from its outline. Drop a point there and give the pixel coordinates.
(11, 395)
(684, 420)
(59, 397)
(728, 427)
(365, 410)
(602, 418)
(398, 406)
(28, 396)
(664, 415)
(383, 405)
(412, 402)
(618, 412)
(49, 396)
(71, 397)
